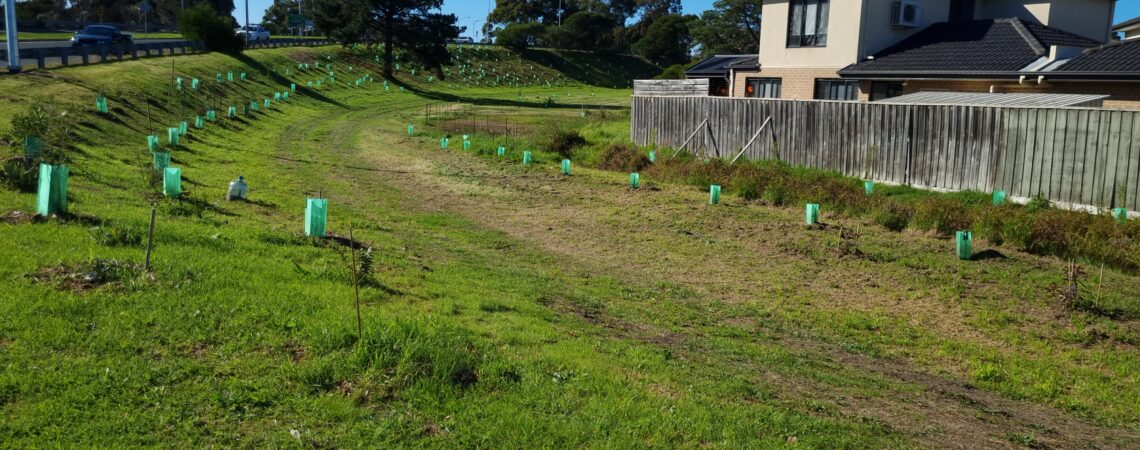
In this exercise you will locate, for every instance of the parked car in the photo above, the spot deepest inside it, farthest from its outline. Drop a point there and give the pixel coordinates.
(100, 34)
(463, 40)
(254, 33)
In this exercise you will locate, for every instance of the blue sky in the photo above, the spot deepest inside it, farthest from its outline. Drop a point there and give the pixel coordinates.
(472, 12)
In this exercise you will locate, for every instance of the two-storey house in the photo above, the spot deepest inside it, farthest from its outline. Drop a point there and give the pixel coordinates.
(876, 49)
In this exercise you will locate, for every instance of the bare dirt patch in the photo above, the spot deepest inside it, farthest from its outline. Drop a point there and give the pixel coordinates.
(83, 277)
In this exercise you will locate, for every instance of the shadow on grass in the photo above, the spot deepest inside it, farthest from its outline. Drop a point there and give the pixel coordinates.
(285, 81)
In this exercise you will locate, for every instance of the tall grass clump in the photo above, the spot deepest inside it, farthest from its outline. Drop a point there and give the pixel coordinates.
(1035, 228)
(399, 355)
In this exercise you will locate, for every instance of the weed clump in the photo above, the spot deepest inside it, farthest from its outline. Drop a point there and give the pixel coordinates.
(563, 140)
(624, 158)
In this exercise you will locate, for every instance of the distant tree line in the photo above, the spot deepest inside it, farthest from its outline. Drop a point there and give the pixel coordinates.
(164, 12)
(654, 29)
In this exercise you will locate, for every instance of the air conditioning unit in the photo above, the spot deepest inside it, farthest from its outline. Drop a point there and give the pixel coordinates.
(907, 13)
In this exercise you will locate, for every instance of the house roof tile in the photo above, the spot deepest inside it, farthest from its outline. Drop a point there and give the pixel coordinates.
(971, 47)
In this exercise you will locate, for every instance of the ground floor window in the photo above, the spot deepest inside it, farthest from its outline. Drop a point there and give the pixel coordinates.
(762, 87)
(881, 90)
(836, 89)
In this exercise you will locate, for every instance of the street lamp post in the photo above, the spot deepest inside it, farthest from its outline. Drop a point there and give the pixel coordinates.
(13, 36)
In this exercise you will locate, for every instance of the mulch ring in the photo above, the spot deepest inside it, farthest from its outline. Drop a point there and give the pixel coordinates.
(85, 276)
(18, 217)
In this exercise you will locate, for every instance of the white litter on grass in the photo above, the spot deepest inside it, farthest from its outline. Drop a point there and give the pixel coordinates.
(296, 434)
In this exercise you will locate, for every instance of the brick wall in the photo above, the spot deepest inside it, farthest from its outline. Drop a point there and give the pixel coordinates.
(795, 83)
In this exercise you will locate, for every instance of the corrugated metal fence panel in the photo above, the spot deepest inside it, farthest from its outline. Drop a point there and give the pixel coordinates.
(1077, 156)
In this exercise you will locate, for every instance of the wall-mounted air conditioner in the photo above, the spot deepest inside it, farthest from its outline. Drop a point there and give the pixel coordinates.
(906, 13)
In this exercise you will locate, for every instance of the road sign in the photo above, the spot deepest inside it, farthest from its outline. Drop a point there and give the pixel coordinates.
(296, 20)
(146, 7)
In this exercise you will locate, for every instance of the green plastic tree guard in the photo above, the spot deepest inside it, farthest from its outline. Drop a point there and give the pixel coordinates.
(964, 238)
(293, 87)
(243, 76)
(51, 197)
(211, 115)
(276, 96)
(999, 198)
(869, 187)
(466, 144)
(219, 77)
(152, 143)
(267, 103)
(232, 112)
(566, 167)
(714, 194)
(194, 84)
(33, 147)
(172, 182)
(527, 158)
(229, 76)
(316, 216)
(199, 122)
(411, 129)
(161, 160)
(172, 136)
(634, 180)
(284, 96)
(502, 151)
(652, 156)
(443, 143)
(811, 213)
(1120, 215)
(183, 128)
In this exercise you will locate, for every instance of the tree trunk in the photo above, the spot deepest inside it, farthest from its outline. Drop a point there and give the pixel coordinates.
(388, 43)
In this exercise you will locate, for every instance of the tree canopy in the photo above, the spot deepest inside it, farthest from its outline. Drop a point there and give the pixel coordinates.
(114, 11)
(731, 27)
(406, 24)
(652, 28)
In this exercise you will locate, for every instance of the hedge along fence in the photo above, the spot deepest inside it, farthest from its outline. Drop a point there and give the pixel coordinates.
(1077, 157)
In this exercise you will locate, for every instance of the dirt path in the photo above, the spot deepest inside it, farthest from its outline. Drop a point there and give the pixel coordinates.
(737, 254)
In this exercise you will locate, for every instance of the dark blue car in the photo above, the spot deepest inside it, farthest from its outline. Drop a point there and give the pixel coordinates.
(100, 34)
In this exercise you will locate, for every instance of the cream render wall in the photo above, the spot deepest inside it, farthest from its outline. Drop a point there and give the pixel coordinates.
(842, 37)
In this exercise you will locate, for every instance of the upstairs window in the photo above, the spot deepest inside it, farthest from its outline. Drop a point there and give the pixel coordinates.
(807, 23)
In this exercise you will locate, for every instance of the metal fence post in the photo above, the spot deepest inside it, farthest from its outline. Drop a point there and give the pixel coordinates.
(64, 55)
(40, 58)
(84, 54)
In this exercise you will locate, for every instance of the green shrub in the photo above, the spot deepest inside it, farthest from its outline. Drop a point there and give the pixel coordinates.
(941, 215)
(48, 121)
(673, 72)
(19, 174)
(892, 215)
(563, 141)
(520, 36)
(1038, 203)
(202, 23)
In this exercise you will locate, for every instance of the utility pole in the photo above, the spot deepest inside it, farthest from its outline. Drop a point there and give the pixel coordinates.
(247, 22)
(559, 12)
(13, 36)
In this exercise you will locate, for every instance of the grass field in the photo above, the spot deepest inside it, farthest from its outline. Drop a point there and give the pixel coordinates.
(506, 305)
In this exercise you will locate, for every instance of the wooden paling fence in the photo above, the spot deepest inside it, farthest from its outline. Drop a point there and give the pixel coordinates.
(1080, 157)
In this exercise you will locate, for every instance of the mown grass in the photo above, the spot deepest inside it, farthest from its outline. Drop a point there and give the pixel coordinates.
(244, 333)
(1066, 362)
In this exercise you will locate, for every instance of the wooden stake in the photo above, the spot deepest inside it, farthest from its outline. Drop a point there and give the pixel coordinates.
(150, 239)
(355, 286)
